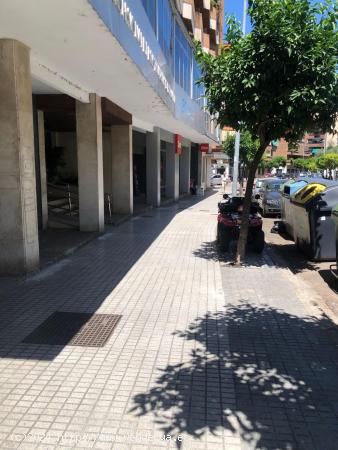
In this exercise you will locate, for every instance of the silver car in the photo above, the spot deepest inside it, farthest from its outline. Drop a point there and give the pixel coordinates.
(270, 197)
(259, 187)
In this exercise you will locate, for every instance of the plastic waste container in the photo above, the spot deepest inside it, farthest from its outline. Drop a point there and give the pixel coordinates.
(313, 226)
(289, 189)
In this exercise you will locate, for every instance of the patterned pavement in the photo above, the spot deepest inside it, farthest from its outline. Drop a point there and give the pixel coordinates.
(205, 356)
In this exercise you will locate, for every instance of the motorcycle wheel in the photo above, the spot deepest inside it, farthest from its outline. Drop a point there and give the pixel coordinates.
(223, 241)
(258, 242)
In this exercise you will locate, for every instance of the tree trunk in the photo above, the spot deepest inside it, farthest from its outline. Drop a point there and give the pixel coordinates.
(243, 235)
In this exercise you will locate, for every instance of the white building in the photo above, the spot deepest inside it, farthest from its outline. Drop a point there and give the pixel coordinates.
(108, 86)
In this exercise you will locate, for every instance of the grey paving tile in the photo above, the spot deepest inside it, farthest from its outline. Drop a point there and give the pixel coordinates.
(227, 358)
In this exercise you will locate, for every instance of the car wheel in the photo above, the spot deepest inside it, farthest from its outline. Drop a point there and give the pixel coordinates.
(258, 242)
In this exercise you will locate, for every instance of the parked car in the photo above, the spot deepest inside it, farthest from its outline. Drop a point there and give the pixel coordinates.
(270, 197)
(216, 180)
(259, 187)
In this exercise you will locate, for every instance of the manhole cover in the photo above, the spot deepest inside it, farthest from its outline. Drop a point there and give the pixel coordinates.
(70, 328)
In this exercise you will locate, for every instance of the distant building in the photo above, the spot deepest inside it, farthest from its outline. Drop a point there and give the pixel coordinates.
(312, 144)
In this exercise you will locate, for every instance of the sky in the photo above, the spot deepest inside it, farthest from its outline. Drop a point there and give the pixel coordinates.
(235, 7)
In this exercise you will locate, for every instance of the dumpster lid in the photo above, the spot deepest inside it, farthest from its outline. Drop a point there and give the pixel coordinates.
(308, 193)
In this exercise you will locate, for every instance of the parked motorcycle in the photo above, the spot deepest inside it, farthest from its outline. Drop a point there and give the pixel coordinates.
(229, 222)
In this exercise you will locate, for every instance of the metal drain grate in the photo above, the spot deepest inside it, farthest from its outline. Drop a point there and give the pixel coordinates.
(71, 328)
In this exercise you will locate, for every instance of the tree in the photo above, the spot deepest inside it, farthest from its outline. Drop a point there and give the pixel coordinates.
(332, 149)
(299, 163)
(328, 162)
(278, 161)
(308, 164)
(277, 81)
(247, 150)
(311, 164)
(265, 163)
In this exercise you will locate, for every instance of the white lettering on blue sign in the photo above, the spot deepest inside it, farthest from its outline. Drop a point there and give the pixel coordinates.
(130, 21)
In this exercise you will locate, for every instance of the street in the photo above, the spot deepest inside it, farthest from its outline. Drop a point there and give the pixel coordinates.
(205, 356)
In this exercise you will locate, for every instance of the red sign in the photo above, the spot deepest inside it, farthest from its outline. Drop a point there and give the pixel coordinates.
(204, 148)
(178, 144)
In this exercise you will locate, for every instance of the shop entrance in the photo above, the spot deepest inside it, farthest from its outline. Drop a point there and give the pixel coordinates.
(139, 170)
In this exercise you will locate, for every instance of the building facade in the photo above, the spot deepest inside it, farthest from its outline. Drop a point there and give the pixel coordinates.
(204, 20)
(312, 144)
(97, 97)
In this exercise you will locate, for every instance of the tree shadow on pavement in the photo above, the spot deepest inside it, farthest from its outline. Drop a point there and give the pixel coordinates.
(285, 256)
(259, 373)
(80, 283)
(210, 251)
(288, 255)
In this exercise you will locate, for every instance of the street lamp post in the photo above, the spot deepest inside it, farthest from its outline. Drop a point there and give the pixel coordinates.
(238, 135)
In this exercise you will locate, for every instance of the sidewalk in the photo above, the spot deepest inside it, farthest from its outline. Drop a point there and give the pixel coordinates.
(208, 356)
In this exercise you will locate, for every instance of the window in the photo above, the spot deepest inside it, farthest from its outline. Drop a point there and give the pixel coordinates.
(151, 10)
(166, 31)
(197, 89)
(273, 187)
(183, 56)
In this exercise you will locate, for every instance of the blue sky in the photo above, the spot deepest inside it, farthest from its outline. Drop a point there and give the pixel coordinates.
(235, 7)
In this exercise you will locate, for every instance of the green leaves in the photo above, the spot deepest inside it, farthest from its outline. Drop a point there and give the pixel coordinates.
(279, 80)
(248, 147)
(328, 161)
(278, 161)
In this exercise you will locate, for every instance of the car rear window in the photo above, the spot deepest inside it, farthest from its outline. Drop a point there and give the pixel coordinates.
(273, 187)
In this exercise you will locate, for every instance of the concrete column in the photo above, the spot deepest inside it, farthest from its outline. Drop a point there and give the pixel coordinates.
(122, 169)
(172, 173)
(43, 172)
(19, 240)
(185, 170)
(200, 168)
(153, 161)
(207, 171)
(90, 165)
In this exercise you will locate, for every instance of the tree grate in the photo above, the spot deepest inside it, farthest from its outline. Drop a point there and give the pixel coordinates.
(72, 328)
